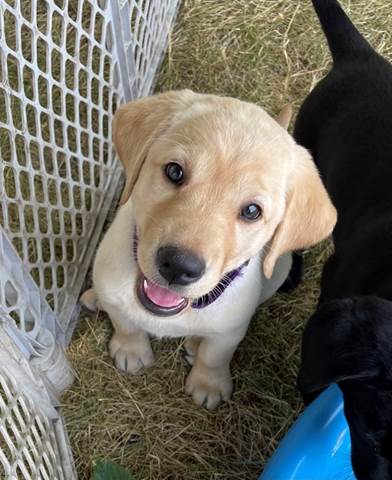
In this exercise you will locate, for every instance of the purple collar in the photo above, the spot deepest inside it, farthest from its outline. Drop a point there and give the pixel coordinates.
(217, 291)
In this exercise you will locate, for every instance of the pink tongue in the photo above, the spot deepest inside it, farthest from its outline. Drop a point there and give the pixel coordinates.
(161, 296)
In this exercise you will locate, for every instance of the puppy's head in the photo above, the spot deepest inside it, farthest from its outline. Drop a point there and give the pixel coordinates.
(214, 181)
(349, 341)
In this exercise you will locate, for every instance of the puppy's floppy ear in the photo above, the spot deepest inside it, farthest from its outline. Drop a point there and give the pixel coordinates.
(309, 214)
(137, 124)
(338, 344)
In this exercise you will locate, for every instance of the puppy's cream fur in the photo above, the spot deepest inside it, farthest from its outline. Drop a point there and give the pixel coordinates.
(232, 154)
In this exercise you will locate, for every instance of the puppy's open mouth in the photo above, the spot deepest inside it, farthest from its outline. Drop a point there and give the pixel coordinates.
(164, 302)
(159, 300)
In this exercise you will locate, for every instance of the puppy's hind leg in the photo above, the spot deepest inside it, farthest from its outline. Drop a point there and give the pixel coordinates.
(281, 271)
(295, 275)
(90, 300)
(284, 116)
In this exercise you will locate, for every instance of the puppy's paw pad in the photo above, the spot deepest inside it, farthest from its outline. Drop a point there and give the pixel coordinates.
(131, 356)
(209, 387)
(89, 300)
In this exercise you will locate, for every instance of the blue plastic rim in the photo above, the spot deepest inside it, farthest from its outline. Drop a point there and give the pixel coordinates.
(317, 447)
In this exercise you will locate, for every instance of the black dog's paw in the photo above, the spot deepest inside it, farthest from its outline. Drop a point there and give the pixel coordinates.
(295, 275)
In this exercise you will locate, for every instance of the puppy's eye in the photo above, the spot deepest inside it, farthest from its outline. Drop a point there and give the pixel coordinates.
(174, 173)
(251, 212)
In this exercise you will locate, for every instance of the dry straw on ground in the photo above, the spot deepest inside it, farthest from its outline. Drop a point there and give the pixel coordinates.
(269, 52)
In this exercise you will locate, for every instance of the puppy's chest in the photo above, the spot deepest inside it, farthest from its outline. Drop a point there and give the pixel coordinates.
(190, 322)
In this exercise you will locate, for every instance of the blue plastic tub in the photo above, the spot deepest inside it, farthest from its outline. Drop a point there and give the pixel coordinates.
(317, 447)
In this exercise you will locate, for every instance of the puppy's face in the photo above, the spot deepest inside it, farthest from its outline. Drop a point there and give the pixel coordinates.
(210, 188)
(212, 182)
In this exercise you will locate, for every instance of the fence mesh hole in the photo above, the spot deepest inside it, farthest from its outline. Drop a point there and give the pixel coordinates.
(3, 107)
(60, 4)
(16, 108)
(13, 217)
(9, 181)
(11, 294)
(24, 185)
(84, 46)
(98, 27)
(42, 54)
(29, 224)
(73, 10)
(43, 221)
(86, 16)
(58, 132)
(28, 82)
(39, 193)
(44, 126)
(15, 315)
(57, 100)
(27, 42)
(42, 12)
(32, 248)
(74, 167)
(57, 29)
(31, 121)
(18, 244)
(35, 156)
(56, 65)
(10, 29)
(43, 91)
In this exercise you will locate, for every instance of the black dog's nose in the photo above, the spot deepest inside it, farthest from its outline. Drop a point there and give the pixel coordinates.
(179, 266)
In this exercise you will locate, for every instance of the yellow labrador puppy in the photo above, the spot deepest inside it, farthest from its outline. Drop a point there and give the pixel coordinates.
(217, 195)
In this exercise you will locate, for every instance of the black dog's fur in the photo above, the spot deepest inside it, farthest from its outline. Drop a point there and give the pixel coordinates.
(346, 123)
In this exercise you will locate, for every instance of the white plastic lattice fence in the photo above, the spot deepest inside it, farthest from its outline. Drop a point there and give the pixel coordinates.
(65, 65)
(32, 436)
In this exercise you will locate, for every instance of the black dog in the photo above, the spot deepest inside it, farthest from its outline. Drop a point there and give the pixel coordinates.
(346, 123)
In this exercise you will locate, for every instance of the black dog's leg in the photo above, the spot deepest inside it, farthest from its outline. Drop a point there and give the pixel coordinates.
(295, 275)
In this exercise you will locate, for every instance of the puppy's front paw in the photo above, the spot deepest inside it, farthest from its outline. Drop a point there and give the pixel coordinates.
(131, 353)
(209, 386)
(90, 300)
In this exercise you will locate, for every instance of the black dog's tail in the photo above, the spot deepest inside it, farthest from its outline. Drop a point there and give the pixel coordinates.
(345, 41)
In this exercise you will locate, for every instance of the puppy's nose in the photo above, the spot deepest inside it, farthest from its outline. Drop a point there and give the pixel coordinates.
(179, 266)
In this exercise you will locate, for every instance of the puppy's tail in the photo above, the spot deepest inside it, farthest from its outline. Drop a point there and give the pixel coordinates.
(345, 41)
